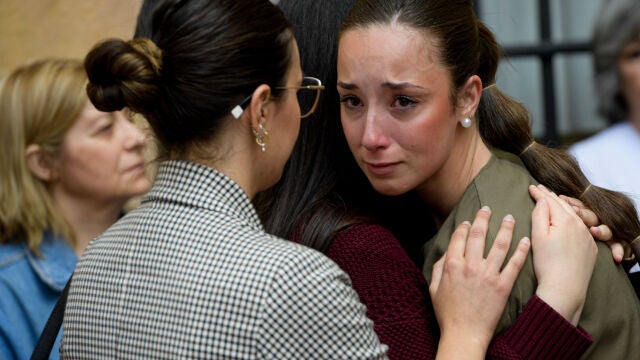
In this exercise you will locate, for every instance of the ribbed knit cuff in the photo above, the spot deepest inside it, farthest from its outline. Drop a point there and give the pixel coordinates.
(542, 333)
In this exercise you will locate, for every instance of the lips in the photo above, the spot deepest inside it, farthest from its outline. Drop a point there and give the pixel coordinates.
(139, 167)
(381, 168)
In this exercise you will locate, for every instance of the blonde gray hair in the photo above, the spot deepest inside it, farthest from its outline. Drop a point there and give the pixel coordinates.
(38, 104)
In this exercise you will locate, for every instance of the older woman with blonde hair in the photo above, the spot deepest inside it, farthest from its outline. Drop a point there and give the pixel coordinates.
(68, 170)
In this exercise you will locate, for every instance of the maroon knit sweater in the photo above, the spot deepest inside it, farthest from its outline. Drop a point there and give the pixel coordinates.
(397, 299)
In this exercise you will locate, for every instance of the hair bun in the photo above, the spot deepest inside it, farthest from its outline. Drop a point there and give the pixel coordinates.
(123, 74)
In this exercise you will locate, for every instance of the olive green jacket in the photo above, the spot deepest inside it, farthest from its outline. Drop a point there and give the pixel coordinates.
(611, 312)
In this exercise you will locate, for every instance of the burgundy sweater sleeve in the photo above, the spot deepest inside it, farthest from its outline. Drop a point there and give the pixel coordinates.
(397, 299)
(392, 288)
(540, 332)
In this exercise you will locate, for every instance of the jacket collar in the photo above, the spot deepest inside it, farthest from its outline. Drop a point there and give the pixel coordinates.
(197, 185)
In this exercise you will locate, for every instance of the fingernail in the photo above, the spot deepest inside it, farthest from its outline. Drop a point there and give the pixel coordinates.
(466, 222)
(485, 208)
(525, 240)
(509, 218)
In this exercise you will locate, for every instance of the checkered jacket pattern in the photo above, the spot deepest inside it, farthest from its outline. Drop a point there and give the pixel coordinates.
(191, 274)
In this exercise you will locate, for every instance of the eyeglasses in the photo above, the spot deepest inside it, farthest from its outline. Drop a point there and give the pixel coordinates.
(308, 94)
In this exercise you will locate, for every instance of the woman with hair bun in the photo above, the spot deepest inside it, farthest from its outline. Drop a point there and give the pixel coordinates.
(191, 273)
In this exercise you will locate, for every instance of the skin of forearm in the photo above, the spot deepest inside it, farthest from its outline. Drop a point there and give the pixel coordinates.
(459, 346)
(567, 305)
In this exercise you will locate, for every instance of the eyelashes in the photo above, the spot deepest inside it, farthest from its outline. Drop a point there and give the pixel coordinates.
(399, 102)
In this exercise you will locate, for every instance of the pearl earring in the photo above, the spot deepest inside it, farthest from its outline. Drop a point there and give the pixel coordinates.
(466, 123)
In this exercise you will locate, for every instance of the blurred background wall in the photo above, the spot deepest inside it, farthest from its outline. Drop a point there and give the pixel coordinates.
(38, 28)
(561, 29)
(31, 29)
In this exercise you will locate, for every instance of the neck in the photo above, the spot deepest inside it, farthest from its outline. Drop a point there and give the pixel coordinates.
(443, 190)
(237, 161)
(88, 219)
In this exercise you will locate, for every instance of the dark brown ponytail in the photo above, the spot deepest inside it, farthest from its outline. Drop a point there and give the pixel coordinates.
(504, 124)
(467, 48)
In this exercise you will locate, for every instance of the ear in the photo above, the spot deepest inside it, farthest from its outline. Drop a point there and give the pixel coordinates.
(470, 96)
(40, 163)
(260, 106)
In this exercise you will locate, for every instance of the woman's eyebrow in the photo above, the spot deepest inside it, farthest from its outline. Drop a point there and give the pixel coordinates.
(347, 86)
(403, 85)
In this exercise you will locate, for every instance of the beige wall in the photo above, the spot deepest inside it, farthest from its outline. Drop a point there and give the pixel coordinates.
(31, 29)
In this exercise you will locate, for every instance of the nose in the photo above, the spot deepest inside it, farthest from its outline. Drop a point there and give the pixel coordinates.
(374, 136)
(134, 137)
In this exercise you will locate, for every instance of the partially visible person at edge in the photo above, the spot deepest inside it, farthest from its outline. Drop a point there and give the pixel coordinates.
(611, 157)
(68, 170)
(335, 210)
(191, 273)
(420, 115)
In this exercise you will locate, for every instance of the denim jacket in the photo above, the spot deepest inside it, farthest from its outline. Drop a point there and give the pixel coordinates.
(29, 288)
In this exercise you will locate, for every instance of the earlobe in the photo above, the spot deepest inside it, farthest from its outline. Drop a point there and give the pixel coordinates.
(39, 163)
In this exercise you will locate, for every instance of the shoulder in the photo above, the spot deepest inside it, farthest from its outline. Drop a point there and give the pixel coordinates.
(28, 293)
(217, 240)
(311, 309)
(14, 265)
(50, 269)
(366, 245)
(10, 253)
(294, 270)
(378, 266)
(503, 186)
(289, 255)
(614, 137)
(367, 237)
(620, 142)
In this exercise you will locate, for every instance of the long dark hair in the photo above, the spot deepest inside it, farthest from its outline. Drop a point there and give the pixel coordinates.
(322, 190)
(467, 47)
(190, 63)
(318, 163)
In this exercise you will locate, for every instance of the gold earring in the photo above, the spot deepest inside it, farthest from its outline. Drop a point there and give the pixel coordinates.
(264, 131)
(261, 138)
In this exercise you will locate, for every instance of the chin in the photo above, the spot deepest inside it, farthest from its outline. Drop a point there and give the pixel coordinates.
(142, 187)
(388, 189)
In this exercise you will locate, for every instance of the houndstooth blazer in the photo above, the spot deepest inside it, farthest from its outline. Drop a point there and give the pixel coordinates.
(192, 274)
